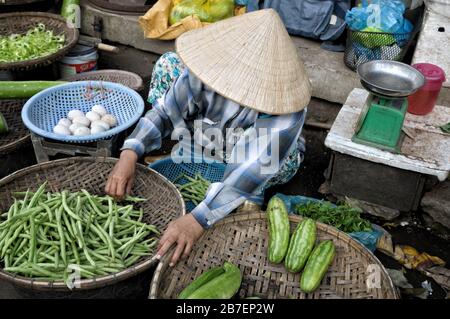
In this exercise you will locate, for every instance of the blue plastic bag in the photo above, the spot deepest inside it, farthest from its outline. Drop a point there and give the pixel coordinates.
(386, 15)
(368, 239)
(241, 2)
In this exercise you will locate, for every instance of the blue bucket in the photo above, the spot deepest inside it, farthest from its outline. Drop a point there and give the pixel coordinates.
(213, 172)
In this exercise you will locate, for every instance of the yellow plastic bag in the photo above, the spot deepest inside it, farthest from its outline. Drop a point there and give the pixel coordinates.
(206, 10)
(155, 23)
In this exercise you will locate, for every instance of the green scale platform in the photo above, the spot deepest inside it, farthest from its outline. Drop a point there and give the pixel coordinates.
(380, 124)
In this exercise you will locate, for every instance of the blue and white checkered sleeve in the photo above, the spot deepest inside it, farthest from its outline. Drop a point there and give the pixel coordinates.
(265, 153)
(168, 112)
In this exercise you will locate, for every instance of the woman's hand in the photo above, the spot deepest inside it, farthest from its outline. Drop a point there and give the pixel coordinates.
(183, 232)
(121, 179)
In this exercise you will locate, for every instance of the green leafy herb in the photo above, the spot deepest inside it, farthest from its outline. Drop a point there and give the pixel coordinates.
(343, 216)
(36, 43)
(446, 128)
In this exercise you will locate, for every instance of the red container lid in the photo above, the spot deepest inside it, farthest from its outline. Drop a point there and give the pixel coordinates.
(431, 72)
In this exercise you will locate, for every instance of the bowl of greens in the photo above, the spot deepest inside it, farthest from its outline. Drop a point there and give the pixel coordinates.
(32, 39)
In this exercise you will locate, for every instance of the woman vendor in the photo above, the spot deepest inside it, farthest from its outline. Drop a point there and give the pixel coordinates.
(239, 73)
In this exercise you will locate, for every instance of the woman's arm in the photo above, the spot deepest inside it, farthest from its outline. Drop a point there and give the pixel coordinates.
(264, 154)
(181, 102)
(242, 180)
(178, 104)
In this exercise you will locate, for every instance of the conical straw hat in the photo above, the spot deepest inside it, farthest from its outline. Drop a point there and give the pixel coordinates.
(249, 59)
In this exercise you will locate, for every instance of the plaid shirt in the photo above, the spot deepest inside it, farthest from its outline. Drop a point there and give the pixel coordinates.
(189, 100)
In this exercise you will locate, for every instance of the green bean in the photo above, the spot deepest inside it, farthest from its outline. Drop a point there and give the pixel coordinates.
(75, 252)
(43, 232)
(37, 195)
(61, 236)
(22, 256)
(67, 208)
(32, 254)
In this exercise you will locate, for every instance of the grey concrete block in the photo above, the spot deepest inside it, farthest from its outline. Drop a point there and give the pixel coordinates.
(436, 203)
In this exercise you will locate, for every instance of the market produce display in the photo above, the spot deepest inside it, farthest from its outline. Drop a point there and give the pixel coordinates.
(24, 89)
(3, 125)
(48, 235)
(343, 217)
(278, 220)
(205, 10)
(93, 122)
(301, 245)
(216, 283)
(35, 43)
(297, 250)
(195, 189)
(317, 266)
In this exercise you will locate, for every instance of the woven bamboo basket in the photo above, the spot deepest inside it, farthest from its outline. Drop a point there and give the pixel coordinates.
(16, 151)
(18, 134)
(130, 79)
(243, 239)
(21, 22)
(164, 204)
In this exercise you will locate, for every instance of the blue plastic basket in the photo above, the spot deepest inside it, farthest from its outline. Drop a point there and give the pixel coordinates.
(43, 111)
(212, 172)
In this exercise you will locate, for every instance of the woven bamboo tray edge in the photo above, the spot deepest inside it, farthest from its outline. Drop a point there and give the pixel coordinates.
(245, 216)
(84, 284)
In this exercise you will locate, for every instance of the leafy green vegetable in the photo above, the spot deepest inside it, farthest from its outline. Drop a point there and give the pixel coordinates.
(446, 128)
(36, 43)
(343, 216)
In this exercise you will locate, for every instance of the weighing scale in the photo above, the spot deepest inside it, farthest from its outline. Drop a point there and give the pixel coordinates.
(381, 121)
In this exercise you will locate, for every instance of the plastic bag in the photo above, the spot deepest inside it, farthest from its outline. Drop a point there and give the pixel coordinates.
(368, 239)
(206, 10)
(155, 22)
(385, 15)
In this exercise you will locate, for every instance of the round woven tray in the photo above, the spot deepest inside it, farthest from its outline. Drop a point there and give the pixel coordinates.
(164, 204)
(18, 133)
(21, 22)
(19, 2)
(130, 79)
(243, 238)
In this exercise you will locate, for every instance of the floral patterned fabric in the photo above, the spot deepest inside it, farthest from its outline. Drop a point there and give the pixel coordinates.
(169, 67)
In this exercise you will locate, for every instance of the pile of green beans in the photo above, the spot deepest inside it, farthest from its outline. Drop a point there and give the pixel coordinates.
(195, 188)
(48, 235)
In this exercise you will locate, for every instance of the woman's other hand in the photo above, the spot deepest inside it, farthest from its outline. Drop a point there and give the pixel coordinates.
(183, 232)
(121, 178)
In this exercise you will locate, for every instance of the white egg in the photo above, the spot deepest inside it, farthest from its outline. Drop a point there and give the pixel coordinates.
(61, 130)
(99, 109)
(82, 130)
(110, 119)
(100, 123)
(95, 129)
(82, 120)
(74, 127)
(93, 116)
(65, 122)
(74, 114)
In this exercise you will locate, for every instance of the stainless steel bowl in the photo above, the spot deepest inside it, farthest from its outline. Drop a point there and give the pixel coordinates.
(390, 78)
